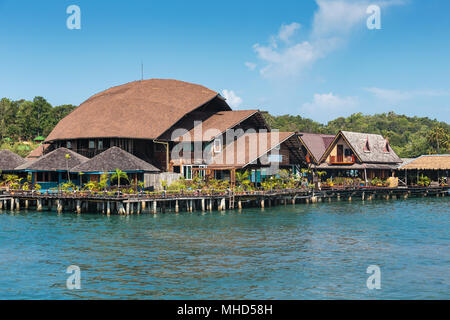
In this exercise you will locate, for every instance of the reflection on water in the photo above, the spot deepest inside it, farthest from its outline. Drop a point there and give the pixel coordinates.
(294, 252)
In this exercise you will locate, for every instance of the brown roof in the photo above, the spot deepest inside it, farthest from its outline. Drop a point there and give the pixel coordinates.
(54, 161)
(428, 162)
(217, 124)
(357, 166)
(38, 152)
(9, 160)
(112, 159)
(316, 144)
(377, 144)
(141, 109)
(248, 148)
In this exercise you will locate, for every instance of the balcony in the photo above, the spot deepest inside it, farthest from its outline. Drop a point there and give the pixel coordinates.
(342, 159)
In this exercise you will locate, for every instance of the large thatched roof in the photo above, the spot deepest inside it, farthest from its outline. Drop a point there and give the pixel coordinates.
(54, 161)
(141, 110)
(428, 162)
(378, 151)
(112, 159)
(9, 160)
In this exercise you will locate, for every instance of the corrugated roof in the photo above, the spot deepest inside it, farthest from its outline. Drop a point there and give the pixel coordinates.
(9, 160)
(112, 159)
(54, 161)
(428, 162)
(140, 109)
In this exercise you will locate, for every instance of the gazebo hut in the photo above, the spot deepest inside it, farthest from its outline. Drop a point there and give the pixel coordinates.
(53, 169)
(9, 161)
(112, 159)
(435, 167)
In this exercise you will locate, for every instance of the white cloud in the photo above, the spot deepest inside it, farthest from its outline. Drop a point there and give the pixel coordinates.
(233, 100)
(250, 65)
(287, 31)
(328, 105)
(338, 17)
(395, 96)
(333, 22)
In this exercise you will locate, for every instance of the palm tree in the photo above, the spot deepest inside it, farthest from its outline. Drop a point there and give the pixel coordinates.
(67, 167)
(117, 175)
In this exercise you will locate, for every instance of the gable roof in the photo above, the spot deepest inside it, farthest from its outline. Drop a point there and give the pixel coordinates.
(357, 142)
(428, 162)
(140, 110)
(316, 144)
(112, 159)
(38, 152)
(249, 148)
(54, 161)
(9, 160)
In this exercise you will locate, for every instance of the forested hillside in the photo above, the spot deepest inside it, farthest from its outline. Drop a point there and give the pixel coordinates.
(409, 136)
(22, 121)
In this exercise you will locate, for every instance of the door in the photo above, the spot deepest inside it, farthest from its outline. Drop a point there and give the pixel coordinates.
(340, 153)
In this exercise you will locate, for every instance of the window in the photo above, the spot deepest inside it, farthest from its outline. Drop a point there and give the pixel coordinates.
(69, 145)
(367, 146)
(187, 172)
(217, 146)
(386, 147)
(91, 144)
(100, 144)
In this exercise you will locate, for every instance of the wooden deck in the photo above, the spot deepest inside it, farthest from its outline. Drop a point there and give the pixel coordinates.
(80, 202)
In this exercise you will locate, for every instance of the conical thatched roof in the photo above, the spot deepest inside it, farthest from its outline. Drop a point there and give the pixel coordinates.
(112, 159)
(9, 160)
(55, 161)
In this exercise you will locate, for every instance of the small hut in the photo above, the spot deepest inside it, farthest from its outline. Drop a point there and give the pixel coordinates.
(112, 159)
(435, 167)
(53, 169)
(9, 161)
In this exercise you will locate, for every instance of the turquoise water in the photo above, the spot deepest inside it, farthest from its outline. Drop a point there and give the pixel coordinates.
(318, 251)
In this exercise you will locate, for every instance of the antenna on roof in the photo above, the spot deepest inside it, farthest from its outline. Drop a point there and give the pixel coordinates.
(142, 70)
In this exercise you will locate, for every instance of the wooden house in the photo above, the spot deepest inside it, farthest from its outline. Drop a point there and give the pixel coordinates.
(361, 155)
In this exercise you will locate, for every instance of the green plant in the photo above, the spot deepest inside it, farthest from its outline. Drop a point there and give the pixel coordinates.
(117, 175)
(423, 181)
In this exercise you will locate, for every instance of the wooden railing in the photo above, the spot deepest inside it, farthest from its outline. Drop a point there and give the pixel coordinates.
(342, 159)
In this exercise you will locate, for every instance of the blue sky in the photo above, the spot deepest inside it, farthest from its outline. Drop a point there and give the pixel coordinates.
(313, 58)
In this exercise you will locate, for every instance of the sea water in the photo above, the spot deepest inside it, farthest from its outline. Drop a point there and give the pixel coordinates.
(316, 251)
